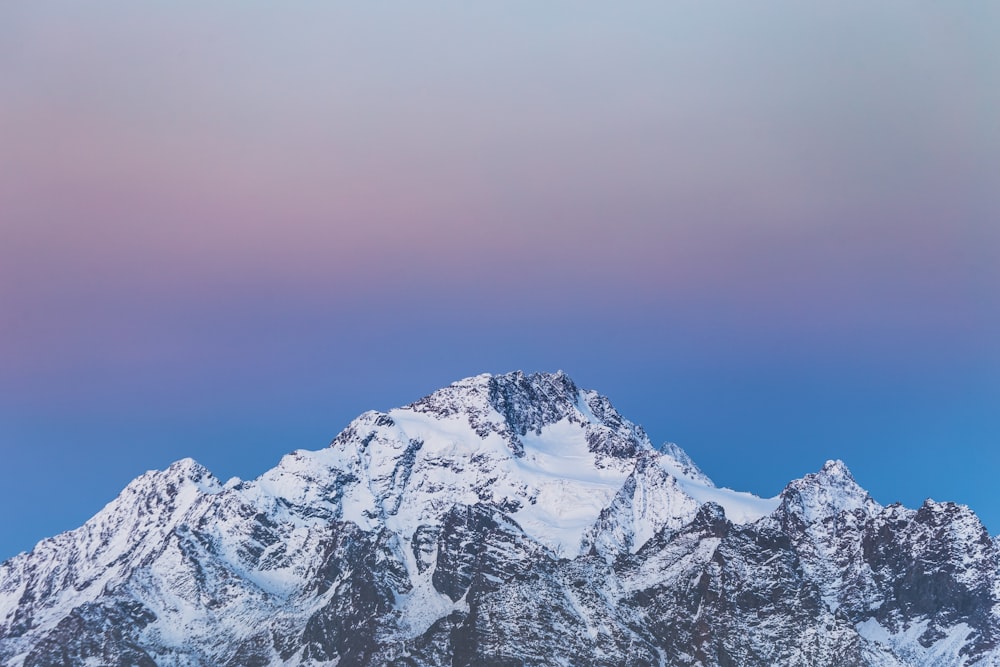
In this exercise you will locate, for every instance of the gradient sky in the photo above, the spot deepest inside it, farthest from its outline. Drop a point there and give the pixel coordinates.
(769, 232)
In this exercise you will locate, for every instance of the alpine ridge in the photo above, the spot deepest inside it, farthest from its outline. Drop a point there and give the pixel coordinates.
(504, 520)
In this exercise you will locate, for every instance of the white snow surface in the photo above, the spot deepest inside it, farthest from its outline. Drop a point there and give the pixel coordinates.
(740, 506)
(905, 645)
(558, 486)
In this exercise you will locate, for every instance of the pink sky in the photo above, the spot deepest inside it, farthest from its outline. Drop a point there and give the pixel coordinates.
(191, 191)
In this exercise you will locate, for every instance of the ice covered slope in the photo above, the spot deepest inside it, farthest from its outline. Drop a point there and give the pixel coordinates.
(510, 519)
(551, 455)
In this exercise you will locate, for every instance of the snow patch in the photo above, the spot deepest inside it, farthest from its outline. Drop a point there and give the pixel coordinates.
(740, 506)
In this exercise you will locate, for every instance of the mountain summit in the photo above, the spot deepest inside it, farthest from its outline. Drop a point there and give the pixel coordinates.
(503, 520)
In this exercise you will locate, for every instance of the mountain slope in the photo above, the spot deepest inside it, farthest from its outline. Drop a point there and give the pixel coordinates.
(505, 520)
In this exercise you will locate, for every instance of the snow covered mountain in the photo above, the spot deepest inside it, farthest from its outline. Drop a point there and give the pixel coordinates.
(503, 520)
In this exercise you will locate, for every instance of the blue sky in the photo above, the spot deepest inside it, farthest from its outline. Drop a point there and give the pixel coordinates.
(769, 233)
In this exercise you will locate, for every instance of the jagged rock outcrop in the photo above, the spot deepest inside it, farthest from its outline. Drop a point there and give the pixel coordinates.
(503, 520)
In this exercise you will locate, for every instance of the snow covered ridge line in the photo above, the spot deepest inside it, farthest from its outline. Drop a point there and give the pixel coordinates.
(511, 519)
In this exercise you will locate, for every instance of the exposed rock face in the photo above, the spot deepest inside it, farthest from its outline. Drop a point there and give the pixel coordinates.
(504, 520)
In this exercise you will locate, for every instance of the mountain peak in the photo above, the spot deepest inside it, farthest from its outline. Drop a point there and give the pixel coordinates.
(517, 405)
(187, 470)
(836, 467)
(555, 392)
(825, 493)
(686, 467)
